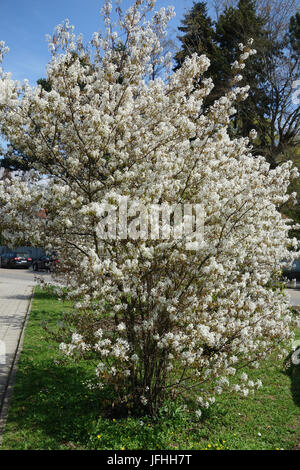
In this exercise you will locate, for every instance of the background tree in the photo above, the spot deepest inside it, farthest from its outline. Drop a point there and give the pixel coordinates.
(272, 74)
(281, 136)
(198, 35)
(294, 33)
(220, 42)
(234, 26)
(275, 13)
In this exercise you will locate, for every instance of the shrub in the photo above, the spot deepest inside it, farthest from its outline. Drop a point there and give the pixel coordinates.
(163, 317)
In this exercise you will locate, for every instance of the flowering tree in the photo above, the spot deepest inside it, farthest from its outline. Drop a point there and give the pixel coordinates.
(161, 319)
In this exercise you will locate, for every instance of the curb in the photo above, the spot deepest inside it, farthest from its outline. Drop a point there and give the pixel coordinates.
(4, 405)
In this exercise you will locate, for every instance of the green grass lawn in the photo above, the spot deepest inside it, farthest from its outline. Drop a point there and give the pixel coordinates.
(52, 408)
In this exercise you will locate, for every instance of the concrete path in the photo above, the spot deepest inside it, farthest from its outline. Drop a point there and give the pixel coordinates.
(15, 293)
(295, 295)
(14, 301)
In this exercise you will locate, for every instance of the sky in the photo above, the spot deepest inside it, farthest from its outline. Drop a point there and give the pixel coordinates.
(24, 24)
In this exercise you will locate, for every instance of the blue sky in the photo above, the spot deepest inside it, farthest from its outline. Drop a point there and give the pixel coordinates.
(24, 24)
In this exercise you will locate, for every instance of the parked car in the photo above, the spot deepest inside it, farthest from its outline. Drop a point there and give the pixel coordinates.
(46, 262)
(15, 259)
(294, 272)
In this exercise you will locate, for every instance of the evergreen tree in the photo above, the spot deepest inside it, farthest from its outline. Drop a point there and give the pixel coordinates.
(235, 26)
(294, 33)
(15, 160)
(220, 42)
(271, 74)
(198, 35)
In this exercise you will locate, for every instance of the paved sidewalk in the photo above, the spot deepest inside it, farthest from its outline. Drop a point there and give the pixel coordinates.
(16, 288)
(294, 295)
(14, 303)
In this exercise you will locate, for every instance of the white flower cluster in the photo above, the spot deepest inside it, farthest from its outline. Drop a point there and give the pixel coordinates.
(165, 317)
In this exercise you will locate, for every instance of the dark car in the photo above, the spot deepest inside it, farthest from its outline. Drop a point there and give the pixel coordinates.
(294, 272)
(15, 259)
(46, 262)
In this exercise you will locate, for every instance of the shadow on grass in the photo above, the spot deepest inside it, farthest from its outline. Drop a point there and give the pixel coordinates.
(45, 294)
(55, 401)
(293, 371)
(52, 408)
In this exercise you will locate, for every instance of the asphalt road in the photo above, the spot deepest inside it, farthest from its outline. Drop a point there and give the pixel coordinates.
(22, 276)
(295, 295)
